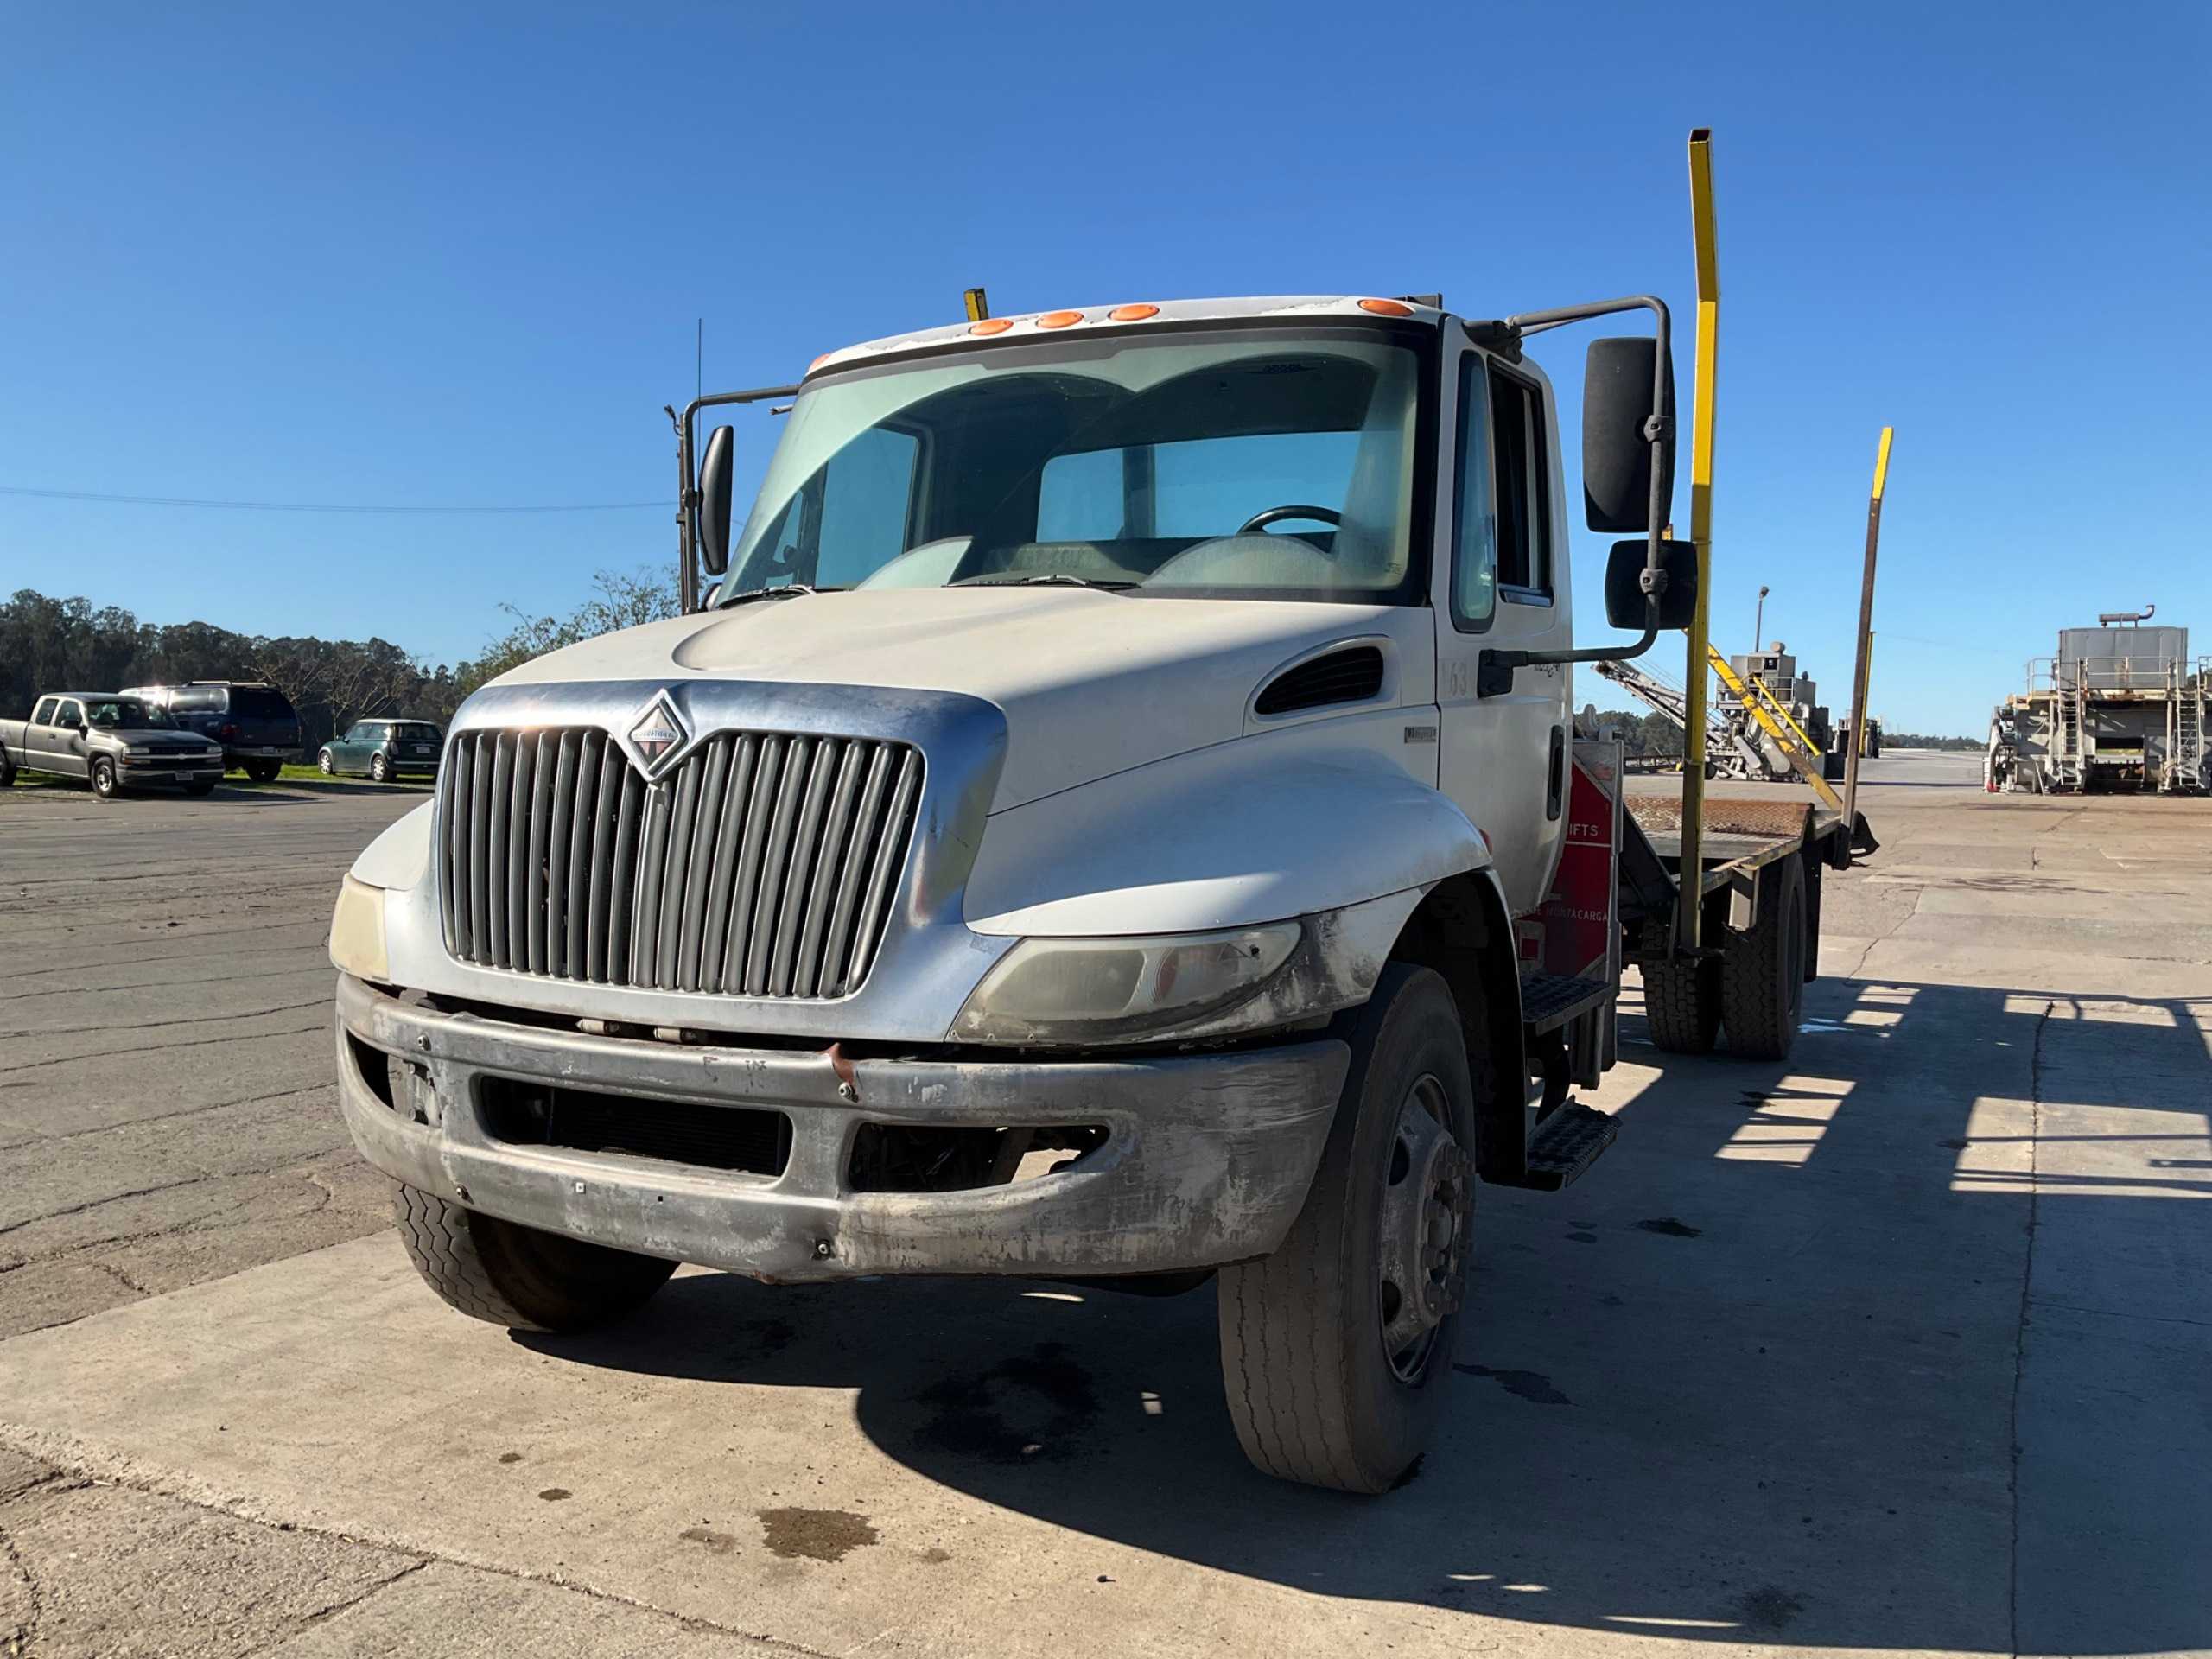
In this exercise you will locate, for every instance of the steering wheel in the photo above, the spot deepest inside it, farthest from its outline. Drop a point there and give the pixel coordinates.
(1260, 521)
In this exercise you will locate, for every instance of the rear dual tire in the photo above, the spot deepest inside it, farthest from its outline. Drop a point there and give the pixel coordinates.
(520, 1277)
(1754, 991)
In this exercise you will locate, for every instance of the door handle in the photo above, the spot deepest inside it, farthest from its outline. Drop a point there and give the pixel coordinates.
(1555, 789)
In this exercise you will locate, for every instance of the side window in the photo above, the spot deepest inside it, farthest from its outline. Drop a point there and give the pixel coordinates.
(43, 714)
(70, 713)
(1474, 523)
(1522, 471)
(864, 511)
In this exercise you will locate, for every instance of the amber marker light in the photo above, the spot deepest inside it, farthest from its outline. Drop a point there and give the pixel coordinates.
(991, 326)
(1058, 318)
(1387, 307)
(1133, 313)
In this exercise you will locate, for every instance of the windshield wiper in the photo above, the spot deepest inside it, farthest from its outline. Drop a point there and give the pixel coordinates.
(1049, 579)
(789, 590)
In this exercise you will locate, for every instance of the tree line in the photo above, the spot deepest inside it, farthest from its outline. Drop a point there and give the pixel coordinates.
(51, 644)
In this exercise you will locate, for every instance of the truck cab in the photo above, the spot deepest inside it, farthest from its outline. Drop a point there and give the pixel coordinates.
(1098, 824)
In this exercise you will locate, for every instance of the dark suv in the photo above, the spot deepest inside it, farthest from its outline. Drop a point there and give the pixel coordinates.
(256, 724)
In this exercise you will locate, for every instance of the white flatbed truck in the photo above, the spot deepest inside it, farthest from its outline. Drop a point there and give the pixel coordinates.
(1116, 817)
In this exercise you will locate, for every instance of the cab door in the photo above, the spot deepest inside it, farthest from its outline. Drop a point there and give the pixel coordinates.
(1502, 587)
(67, 744)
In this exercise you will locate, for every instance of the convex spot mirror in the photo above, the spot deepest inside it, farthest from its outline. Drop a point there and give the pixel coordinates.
(1624, 585)
(714, 500)
(1618, 380)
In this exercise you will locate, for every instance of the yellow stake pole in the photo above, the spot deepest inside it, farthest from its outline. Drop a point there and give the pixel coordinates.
(1865, 655)
(1687, 918)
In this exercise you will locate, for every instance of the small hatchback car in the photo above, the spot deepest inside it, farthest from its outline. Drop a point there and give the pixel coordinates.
(383, 749)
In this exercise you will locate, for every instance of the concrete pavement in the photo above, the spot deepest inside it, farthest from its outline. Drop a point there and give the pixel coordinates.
(1901, 1346)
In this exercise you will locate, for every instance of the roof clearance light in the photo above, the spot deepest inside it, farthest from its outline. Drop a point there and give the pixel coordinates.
(1058, 318)
(991, 326)
(818, 362)
(1387, 307)
(1133, 313)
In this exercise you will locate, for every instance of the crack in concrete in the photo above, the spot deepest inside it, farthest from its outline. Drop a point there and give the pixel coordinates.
(2020, 1337)
(159, 1025)
(74, 1458)
(191, 984)
(162, 1048)
(324, 1614)
(39, 1137)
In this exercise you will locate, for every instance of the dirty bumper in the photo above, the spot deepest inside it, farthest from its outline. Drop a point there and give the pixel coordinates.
(1207, 1158)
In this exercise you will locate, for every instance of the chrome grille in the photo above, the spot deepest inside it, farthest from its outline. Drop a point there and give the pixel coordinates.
(763, 865)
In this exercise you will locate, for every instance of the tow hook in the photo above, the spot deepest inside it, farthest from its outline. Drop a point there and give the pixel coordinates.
(848, 1085)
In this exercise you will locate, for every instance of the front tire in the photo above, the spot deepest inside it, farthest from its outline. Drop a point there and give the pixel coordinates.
(1336, 1350)
(322, 763)
(103, 780)
(520, 1277)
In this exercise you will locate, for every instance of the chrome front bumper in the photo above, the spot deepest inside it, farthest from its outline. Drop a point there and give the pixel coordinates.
(1207, 1160)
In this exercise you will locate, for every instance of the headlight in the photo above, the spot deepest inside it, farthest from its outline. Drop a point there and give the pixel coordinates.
(139, 749)
(1077, 990)
(357, 932)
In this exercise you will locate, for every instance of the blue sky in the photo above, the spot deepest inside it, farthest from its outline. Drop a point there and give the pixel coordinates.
(401, 256)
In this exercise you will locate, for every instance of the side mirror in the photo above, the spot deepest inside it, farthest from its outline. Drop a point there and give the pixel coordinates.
(1624, 585)
(1618, 383)
(714, 500)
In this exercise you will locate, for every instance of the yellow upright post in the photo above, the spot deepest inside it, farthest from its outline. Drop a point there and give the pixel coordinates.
(1708, 336)
(1864, 662)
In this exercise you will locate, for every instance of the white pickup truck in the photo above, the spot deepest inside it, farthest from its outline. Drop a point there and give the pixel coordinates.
(1106, 822)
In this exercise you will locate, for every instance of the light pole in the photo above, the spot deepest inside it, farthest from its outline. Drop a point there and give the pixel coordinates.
(1758, 620)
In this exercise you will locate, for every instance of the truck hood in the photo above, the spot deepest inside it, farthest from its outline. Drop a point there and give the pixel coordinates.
(1091, 682)
(165, 738)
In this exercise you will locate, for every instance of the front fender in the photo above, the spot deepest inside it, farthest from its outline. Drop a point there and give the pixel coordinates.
(400, 857)
(1256, 829)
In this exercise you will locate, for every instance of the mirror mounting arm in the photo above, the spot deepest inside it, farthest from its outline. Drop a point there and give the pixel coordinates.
(1504, 335)
(687, 511)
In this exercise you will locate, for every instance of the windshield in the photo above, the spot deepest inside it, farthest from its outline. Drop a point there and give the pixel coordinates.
(127, 713)
(1253, 462)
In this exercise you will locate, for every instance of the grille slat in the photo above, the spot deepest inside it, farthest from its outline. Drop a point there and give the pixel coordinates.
(736, 796)
(541, 819)
(503, 786)
(774, 863)
(761, 864)
(562, 816)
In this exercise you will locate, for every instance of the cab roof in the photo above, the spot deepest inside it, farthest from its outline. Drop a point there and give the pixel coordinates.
(1096, 319)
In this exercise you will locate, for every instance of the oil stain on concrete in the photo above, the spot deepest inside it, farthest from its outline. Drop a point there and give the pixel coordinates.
(814, 1534)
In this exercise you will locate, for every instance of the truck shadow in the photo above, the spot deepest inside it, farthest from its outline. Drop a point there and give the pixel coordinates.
(1755, 1381)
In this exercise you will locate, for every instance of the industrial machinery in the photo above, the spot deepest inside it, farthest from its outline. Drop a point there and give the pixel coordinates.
(2119, 707)
(1764, 725)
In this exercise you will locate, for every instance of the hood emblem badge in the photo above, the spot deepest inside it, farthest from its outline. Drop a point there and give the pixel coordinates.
(657, 735)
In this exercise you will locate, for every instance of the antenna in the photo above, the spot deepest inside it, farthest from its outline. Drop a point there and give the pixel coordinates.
(699, 361)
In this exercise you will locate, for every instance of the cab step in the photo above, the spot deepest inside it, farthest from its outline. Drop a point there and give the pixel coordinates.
(1567, 1143)
(1548, 1000)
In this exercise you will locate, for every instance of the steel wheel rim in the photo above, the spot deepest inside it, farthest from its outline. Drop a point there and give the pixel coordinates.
(1427, 1197)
